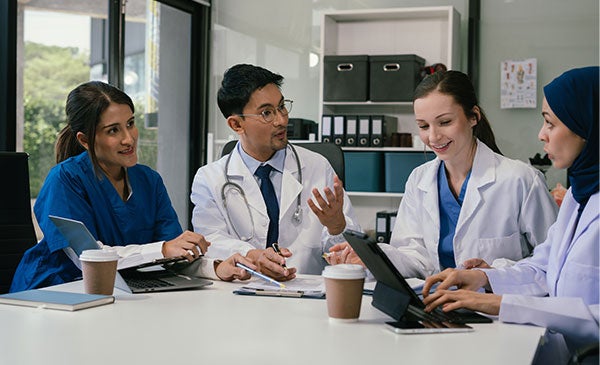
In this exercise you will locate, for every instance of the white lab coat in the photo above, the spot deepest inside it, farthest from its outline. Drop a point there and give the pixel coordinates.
(566, 268)
(307, 240)
(506, 208)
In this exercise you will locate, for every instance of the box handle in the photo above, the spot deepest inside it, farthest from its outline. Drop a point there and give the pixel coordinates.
(345, 67)
(391, 67)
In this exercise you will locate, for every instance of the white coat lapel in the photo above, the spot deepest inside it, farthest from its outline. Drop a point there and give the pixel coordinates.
(428, 186)
(483, 173)
(290, 187)
(589, 214)
(239, 173)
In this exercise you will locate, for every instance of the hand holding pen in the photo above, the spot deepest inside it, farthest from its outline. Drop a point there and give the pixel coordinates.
(271, 262)
(264, 277)
(278, 251)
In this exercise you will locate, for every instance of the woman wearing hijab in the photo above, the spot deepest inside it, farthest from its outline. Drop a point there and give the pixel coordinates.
(557, 287)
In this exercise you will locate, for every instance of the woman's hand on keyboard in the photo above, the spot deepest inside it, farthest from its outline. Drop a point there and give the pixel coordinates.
(454, 299)
(462, 279)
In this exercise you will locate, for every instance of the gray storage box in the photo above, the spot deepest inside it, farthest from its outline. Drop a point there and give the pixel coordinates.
(394, 77)
(346, 78)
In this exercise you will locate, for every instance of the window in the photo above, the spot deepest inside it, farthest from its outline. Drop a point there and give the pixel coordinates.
(63, 44)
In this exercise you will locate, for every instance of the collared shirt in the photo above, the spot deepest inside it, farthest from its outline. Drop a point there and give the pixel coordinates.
(277, 161)
(449, 213)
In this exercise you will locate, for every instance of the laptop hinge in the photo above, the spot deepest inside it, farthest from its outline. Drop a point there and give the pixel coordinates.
(121, 284)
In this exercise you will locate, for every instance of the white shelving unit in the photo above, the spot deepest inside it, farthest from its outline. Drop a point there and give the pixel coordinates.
(429, 32)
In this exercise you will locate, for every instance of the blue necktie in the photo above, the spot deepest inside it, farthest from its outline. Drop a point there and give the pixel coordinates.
(268, 193)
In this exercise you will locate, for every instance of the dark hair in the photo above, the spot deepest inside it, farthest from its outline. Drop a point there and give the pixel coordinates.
(457, 85)
(85, 104)
(239, 82)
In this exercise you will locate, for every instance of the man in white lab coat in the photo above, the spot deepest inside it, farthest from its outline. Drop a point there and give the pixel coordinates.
(231, 207)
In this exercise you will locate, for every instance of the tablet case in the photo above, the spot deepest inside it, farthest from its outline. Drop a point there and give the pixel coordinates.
(394, 296)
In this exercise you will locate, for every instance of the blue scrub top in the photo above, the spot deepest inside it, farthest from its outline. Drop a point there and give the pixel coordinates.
(449, 213)
(73, 190)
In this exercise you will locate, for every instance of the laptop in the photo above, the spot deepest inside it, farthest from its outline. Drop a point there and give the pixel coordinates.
(133, 276)
(386, 273)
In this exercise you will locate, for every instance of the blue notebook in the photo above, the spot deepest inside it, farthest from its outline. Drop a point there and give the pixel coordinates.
(50, 299)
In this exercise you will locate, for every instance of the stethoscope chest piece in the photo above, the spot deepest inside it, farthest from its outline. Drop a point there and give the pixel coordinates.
(297, 216)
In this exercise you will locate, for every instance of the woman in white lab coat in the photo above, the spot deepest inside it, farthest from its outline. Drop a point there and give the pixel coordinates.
(557, 287)
(470, 206)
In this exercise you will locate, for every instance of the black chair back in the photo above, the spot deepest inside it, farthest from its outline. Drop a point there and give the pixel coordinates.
(330, 151)
(17, 233)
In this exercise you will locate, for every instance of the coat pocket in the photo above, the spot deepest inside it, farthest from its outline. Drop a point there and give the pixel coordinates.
(508, 247)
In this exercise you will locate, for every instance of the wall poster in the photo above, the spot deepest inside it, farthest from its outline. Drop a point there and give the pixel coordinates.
(518, 84)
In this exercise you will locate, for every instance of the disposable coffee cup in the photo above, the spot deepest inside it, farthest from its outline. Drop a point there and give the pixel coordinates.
(343, 291)
(99, 271)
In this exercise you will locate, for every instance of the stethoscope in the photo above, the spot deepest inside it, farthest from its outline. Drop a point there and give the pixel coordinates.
(296, 217)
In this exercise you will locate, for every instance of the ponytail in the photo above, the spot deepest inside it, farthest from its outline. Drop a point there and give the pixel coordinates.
(67, 145)
(483, 132)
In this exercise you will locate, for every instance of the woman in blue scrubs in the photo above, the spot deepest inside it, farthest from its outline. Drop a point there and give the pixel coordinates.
(98, 181)
(557, 287)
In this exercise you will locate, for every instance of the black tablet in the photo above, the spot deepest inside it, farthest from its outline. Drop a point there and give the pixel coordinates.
(394, 283)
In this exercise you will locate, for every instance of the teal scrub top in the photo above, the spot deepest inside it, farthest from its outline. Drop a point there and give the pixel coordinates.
(449, 212)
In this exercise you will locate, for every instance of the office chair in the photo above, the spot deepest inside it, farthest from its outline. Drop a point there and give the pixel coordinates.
(17, 233)
(587, 354)
(330, 151)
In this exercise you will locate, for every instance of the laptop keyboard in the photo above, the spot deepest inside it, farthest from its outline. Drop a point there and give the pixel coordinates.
(437, 315)
(147, 283)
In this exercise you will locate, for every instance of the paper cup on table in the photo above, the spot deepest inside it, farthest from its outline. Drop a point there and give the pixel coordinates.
(343, 288)
(99, 271)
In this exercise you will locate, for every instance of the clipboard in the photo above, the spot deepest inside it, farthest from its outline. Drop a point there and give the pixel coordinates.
(284, 293)
(300, 287)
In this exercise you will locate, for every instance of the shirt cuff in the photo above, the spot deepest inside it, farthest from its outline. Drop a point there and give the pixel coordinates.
(132, 255)
(203, 267)
(338, 238)
(152, 251)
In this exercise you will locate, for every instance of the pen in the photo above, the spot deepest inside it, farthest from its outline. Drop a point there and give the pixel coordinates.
(278, 251)
(265, 277)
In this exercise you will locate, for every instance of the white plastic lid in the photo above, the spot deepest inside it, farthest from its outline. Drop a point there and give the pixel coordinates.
(99, 255)
(344, 271)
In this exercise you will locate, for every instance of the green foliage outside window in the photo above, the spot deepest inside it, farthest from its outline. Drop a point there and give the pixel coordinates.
(50, 72)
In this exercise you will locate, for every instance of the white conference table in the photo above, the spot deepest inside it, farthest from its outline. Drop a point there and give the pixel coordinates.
(214, 326)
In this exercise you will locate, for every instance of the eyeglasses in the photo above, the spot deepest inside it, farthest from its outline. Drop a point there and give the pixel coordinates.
(269, 113)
